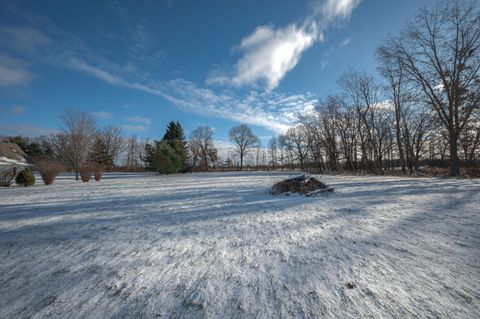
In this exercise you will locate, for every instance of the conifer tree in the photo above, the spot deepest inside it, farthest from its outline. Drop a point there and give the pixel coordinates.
(99, 156)
(175, 138)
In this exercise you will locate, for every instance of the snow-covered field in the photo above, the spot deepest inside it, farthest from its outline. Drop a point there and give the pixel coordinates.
(219, 246)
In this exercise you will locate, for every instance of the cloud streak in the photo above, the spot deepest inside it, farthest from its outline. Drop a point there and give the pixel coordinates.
(7, 129)
(13, 72)
(139, 119)
(103, 115)
(270, 109)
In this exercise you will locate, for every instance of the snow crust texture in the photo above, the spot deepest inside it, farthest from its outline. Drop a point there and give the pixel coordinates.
(219, 245)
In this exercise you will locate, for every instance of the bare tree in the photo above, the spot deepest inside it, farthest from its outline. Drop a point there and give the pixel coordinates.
(74, 140)
(272, 147)
(392, 70)
(244, 139)
(201, 146)
(362, 90)
(440, 51)
(134, 153)
(297, 143)
(112, 137)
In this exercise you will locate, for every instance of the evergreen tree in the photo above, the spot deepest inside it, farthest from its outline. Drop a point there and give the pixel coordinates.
(175, 137)
(99, 155)
(174, 132)
(163, 159)
(168, 155)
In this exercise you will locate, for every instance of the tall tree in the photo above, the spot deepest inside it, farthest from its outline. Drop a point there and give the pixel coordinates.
(201, 145)
(392, 70)
(297, 143)
(165, 160)
(76, 137)
(440, 51)
(175, 138)
(272, 147)
(99, 156)
(112, 137)
(244, 139)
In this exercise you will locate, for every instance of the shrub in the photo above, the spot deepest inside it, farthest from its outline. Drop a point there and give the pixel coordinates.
(86, 172)
(98, 173)
(48, 167)
(25, 178)
(6, 179)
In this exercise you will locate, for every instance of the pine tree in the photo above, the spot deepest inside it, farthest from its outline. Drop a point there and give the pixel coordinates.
(163, 159)
(168, 155)
(175, 137)
(99, 156)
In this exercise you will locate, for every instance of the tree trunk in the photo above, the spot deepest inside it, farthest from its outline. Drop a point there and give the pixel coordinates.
(399, 143)
(454, 161)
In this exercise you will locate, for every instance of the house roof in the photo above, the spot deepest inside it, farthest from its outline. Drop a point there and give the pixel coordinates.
(11, 153)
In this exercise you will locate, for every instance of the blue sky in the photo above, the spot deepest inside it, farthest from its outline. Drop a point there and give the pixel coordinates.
(140, 64)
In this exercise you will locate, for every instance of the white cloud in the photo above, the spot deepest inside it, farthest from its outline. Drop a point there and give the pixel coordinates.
(13, 72)
(272, 110)
(25, 130)
(139, 119)
(134, 128)
(103, 115)
(345, 42)
(224, 148)
(270, 53)
(24, 39)
(332, 10)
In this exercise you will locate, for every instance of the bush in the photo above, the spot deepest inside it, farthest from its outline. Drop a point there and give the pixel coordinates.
(6, 180)
(48, 167)
(25, 178)
(86, 172)
(98, 174)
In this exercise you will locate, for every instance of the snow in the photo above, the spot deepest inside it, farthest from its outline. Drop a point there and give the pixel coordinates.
(218, 245)
(6, 160)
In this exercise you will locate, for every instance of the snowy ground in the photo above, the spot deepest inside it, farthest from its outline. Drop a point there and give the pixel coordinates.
(219, 246)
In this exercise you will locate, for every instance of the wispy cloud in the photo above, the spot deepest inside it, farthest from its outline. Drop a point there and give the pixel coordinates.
(332, 10)
(136, 124)
(224, 148)
(345, 42)
(13, 72)
(139, 119)
(269, 53)
(270, 109)
(134, 128)
(16, 110)
(7, 129)
(103, 115)
(332, 51)
(273, 110)
(24, 39)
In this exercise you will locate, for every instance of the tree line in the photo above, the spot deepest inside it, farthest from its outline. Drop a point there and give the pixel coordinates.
(423, 109)
(88, 150)
(426, 108)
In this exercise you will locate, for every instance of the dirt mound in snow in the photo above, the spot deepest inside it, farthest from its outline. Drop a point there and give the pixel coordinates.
(302, 184)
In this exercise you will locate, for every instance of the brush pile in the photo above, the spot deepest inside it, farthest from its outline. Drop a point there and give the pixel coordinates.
(302, 184)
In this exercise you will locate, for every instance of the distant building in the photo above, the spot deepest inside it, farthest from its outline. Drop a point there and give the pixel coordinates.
(13, 160)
